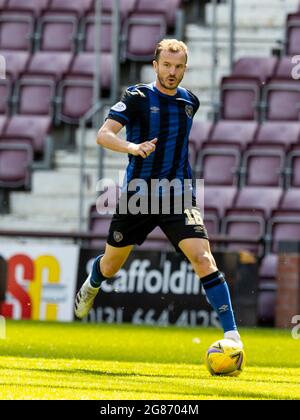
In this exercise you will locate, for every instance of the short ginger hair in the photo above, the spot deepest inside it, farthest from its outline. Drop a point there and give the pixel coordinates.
(171, 45)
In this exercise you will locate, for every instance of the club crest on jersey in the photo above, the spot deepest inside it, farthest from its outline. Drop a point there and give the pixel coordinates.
(119, 107)
(118, 236)
(189, 111)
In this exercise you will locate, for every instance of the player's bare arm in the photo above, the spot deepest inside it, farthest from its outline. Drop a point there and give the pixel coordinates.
(108, 137)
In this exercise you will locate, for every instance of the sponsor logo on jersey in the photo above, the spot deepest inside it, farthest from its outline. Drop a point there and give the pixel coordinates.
(119, 107)
(154, 109)
(189, 111)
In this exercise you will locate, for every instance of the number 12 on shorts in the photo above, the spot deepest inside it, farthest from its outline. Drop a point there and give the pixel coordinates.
(194, 217)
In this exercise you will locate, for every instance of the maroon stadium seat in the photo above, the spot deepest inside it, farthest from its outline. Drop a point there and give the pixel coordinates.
(284, 68)
(151, 28)
(244, 227)
(267, 290)
(2, 4)
(281, 100)
(263, 167)
(278, 133)
(34, 126)
(5, 95)
(78, 7)
(291, 200)
(53, 64)
(87, 38)
(35, 7)
(3, 121)
(126, 7)
(240, 97)
(219, 166)
(261, 68)
(99, 225)
(15, 162)
(293, 168)
(200, 133)
(75, 98)
(167, 8)
(234, 133)
(219, 198)
(35, 96)
(16, 32)
(56, 32)
(293, 34)
(256, 200)
(283, 228)
(84, 65)
(16, 62)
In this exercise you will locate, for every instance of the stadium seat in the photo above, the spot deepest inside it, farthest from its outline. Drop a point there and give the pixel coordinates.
(56, 32)
(230, 133)
(34, 96)
(77, 7)
(244, 227)
(282, 228)
(52, 64)
(75, 98)
(261, 68)
(35, 7)
(267, 286)
(284, 68)
(87, 34)
(256, 200)
(3, 121)
(16, 32)
(240, 98)
(16, 62)
(167, 8)
(219, 166)
(263, 167)
(292, 42)
(84, 66)
(34, 126)
(99, 226)
(281, 100)
(278, 133)
(15, 162)
(126, 7)
(292, 170)
(200, 133)
(219, 198)
(290, 201)
(5, 95)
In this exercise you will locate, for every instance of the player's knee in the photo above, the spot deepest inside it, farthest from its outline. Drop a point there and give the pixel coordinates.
(204, 263)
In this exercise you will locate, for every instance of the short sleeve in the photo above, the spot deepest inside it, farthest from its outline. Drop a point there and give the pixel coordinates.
(125, 110)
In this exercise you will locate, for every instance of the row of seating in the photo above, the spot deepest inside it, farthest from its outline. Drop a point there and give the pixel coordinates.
(63, 26)
(292, 39)
(259, 217)
(261, 89)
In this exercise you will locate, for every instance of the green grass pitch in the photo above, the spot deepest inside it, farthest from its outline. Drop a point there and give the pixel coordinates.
(107, 362)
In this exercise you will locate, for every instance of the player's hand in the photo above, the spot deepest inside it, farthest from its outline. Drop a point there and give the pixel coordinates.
(143, 149)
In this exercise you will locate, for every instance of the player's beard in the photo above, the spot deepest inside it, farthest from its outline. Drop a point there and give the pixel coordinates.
(164, 82)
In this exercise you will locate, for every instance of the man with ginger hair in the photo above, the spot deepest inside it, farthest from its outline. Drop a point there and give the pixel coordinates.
(158, 118)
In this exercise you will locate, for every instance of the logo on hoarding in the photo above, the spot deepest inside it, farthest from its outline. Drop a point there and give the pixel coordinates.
(33, 288)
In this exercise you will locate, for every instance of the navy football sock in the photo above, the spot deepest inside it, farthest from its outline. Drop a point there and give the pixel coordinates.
(217, 293)
(96, 276)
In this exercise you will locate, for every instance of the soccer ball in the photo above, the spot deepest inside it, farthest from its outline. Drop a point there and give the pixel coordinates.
(225, 357)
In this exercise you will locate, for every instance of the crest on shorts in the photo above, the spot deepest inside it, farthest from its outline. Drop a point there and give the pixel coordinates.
(189, 110)
(117, 236)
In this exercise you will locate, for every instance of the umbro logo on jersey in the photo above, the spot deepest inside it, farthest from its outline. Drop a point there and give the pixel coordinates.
(154, 109)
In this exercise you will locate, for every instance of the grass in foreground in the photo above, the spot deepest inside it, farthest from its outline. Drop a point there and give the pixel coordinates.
(81, 361)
